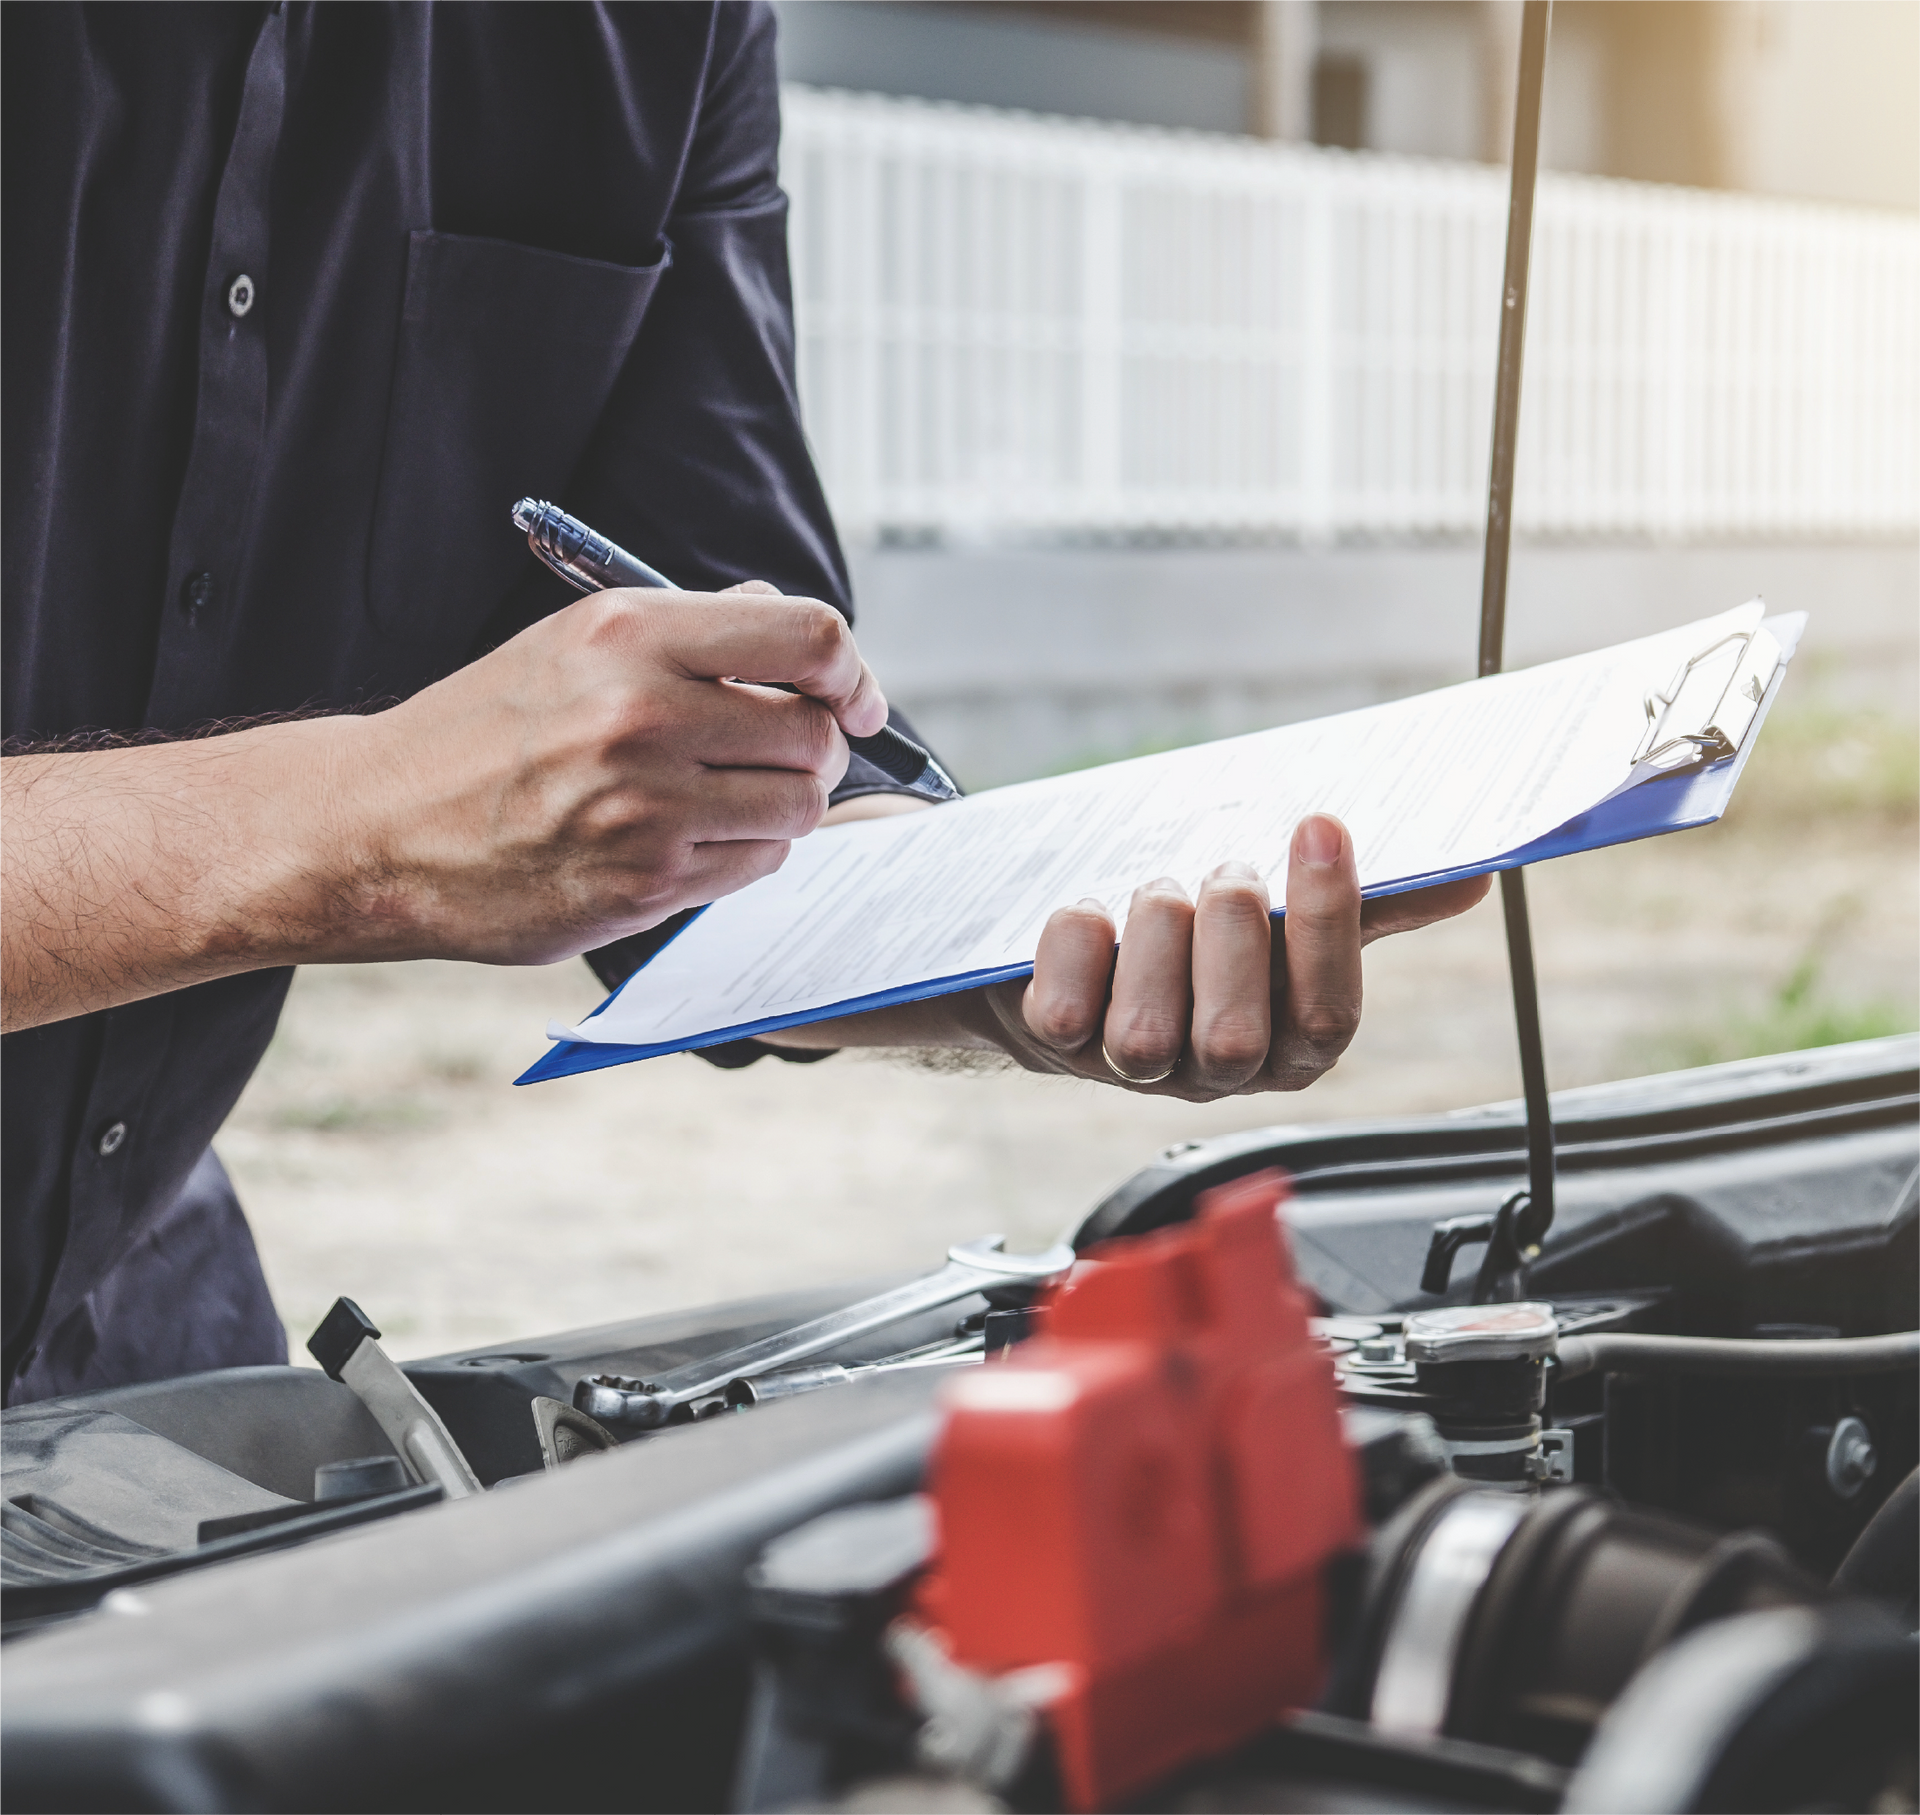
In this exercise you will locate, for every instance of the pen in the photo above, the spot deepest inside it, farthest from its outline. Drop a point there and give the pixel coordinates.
(589, 561)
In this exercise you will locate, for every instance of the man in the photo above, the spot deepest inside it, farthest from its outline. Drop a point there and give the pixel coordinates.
(299, 300)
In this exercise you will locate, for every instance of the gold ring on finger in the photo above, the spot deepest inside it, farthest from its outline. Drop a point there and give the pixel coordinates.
(1159, 1077)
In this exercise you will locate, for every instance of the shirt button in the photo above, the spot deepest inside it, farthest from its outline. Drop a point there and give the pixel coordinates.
(240, 295)
(196, 594)
(112, 1139)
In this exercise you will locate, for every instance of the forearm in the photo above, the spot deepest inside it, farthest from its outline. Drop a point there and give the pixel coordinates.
(131, 872)
(592, 776)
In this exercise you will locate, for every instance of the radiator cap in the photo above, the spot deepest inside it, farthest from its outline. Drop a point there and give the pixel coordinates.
(1482, 1333)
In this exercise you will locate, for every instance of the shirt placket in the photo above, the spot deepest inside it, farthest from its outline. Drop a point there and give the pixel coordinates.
(212, 522)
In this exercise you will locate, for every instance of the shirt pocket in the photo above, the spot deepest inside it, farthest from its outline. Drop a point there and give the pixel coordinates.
(506, 358)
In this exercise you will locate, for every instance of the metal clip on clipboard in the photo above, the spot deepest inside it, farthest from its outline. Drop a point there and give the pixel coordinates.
(1704, 712)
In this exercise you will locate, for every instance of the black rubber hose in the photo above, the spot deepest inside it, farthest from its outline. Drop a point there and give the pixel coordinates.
(1825, 1359)
(1885, 1559)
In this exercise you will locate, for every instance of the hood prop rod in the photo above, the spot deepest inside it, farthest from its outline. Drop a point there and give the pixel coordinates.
(1525, 1218)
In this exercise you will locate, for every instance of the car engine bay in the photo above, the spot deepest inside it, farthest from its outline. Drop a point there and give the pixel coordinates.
(1287, 1481)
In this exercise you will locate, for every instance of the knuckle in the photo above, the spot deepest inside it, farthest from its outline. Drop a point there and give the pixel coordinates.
(657, 894)
(1144, 1038)
(1079, 942)
(819, 736)
(1326, 1026)
(1057, 1020)
(1231, 1045)
(645, 896)
(1237, 904)
(1298, 1076)
(1162, 894)
(823, 632)
(616, 713)
(606, 618)
(754, 860)
(1326, 915)
(810, 803)
(673, 868)
(609, 818)
(772, 855)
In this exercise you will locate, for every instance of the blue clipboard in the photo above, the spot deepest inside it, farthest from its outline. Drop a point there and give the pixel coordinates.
(1676, 801)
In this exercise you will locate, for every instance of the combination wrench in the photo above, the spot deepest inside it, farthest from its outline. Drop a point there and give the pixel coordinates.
(974, 1266)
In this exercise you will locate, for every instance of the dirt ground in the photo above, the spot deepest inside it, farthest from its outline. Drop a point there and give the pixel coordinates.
(383, 1153)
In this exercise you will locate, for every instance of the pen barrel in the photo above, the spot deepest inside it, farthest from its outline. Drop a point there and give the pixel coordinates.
(606, 564)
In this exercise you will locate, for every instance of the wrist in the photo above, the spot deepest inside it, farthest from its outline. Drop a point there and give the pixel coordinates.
(309, 879)
(131, 872)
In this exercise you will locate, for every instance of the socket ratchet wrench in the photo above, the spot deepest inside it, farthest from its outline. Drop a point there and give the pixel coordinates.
(974, 1266)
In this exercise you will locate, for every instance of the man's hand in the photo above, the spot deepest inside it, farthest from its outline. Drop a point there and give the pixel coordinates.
(1208, 998)
(607, 767)
(1202, 999)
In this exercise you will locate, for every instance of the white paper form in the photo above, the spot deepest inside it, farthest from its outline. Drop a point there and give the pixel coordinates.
(908, 907)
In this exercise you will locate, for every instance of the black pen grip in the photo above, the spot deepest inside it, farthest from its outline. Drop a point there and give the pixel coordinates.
(891, 754)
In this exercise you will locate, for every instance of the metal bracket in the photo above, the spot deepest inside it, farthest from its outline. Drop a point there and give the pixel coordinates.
(347, 1345)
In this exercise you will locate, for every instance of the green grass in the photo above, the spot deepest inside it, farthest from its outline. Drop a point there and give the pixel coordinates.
(1819, 763)
(1799, 1014)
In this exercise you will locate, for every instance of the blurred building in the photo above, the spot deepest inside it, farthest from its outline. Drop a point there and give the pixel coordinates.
(1137, 436)
(1812, 98)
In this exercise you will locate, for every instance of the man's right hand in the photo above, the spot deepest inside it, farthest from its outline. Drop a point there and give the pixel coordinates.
(608, 766)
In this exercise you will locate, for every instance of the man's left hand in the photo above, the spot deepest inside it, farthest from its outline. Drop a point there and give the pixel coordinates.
(1211, 998)
(1197, 999)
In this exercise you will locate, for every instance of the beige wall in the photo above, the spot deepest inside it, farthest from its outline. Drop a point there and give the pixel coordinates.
(1821, 98)
(1813, 98)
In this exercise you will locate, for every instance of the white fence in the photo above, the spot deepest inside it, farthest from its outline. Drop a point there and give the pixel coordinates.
(1018, 325)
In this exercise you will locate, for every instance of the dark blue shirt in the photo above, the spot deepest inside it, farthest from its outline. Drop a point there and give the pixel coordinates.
(298, 301)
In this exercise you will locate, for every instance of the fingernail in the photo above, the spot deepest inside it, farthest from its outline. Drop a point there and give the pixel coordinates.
(1317, 841)
(1098, 907)
(1233, 870)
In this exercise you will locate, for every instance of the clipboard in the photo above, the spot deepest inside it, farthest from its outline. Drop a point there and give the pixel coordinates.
(1699, 734)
